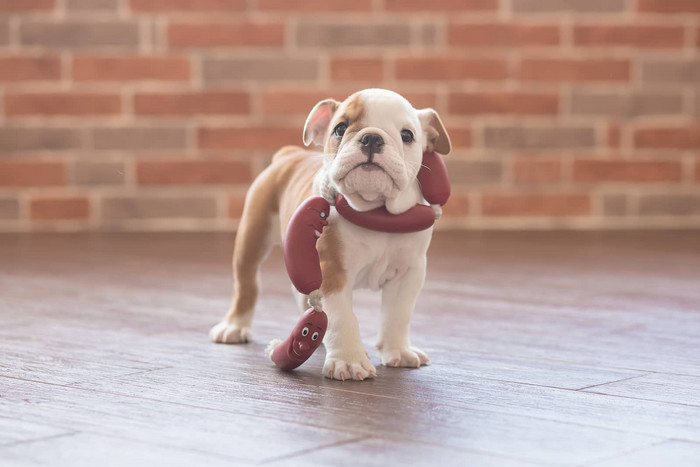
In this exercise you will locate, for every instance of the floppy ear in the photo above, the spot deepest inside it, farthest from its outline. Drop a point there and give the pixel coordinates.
(318, 120)
(435, 134)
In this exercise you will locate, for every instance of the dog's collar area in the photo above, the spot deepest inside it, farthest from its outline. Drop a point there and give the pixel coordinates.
(419, 217)
(436, 190)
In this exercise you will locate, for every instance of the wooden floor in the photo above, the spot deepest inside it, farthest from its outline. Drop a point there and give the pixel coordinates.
(547, 349)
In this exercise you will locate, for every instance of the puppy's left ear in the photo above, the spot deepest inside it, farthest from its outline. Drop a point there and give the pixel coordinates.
(435, 134)
(318, 120)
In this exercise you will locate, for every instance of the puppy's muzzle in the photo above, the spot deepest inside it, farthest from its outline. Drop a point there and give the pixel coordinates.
(371, 144)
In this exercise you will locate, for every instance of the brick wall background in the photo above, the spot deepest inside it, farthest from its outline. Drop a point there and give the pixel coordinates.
(156, 114)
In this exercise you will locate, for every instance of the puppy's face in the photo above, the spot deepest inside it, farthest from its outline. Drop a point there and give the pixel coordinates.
(374, 143)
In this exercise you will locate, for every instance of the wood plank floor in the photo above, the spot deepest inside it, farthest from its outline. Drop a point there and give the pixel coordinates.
(548, 349)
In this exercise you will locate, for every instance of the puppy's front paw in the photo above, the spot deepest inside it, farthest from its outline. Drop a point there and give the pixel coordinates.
(410, 357)
(227, 333)
(352, 368)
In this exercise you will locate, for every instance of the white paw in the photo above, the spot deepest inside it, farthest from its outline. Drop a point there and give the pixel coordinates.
(357, 368)
(410, 357)
(227, 333)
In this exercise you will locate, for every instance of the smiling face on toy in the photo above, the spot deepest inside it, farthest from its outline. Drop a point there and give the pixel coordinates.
(307, 335)
(374, 142)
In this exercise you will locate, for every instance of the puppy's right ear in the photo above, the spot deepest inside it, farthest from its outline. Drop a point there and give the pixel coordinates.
(318, 120)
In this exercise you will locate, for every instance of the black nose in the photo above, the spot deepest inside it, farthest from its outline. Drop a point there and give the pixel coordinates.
(371, 143)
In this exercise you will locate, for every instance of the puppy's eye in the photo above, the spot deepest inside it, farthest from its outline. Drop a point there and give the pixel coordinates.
(314, 336)
(305, 332)
(406, 136)
(339, 129)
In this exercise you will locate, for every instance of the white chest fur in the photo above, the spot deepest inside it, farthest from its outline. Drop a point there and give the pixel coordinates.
(372, 258)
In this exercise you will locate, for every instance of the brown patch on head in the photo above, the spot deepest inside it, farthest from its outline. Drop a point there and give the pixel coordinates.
(351, 111)
(332, 268)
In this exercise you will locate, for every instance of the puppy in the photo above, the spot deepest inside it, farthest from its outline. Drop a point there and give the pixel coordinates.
(373, 146)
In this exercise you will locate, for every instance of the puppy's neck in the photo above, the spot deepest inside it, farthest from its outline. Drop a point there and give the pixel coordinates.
(324, 187)
(402, 203)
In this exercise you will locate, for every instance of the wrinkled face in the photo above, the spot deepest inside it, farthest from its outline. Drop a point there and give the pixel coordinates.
(374, 143)
(374, 146)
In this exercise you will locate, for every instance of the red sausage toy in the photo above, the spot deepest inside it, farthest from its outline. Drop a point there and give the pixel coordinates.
(434, 182)
(305, 338)
(303, 263)
(304, 269)
(419, 217)
(300, 255)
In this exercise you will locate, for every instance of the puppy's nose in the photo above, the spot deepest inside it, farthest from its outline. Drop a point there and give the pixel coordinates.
(371, 143)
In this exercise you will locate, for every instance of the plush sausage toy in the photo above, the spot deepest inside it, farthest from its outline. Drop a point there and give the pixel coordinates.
(305, 338)
(304, 269)
(300, 255)
(303, 263)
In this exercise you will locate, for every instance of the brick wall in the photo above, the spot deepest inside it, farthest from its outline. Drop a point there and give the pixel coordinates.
(156, 114)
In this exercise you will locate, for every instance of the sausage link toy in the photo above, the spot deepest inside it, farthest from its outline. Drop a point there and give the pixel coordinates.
(303, 263)
(304, 269)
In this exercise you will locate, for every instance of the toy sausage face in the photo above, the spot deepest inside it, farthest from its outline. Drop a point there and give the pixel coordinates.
(307, 335)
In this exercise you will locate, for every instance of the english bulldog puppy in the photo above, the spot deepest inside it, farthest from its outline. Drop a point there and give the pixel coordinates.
(373, 144)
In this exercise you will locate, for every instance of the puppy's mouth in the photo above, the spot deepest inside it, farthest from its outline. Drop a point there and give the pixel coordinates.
(370, 167)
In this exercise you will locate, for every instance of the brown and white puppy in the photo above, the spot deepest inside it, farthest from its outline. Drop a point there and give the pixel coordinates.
(373, 146)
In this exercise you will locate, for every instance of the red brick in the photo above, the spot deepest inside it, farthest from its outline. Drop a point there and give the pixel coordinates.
(535, 204)
(30, 68)
(62, 104)
(226, 34)
(697, 37)
(32, 173)
(277, 102)
(79, 34)
(460, 137)
(357, 69)
(49, 209)
(293, 102)
(682, 137)
(534, 170)
(314, 6)
(517, 103)
(473, 173)
(629, 35)
(575, 70)
(450, 68)
(441, 5)
(457, 206)
(697, 170)
(188, 5)
(668, 6)
(236, 201)
(595, 170)
(420, 99)
(131, 68)
(248, 138)
(502, 35)
(192, 172)
(27, 5)
(614, 136)
(201, 103)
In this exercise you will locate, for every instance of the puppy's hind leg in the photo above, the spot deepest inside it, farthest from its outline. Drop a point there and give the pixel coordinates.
(254, 240)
